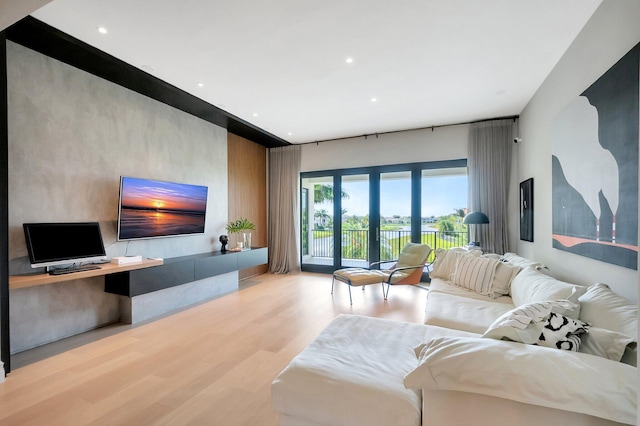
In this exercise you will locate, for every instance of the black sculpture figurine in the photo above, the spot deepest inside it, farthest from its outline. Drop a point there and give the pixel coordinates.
(224, 240)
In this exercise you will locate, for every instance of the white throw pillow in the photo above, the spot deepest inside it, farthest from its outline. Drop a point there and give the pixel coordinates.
(445, 263)
(502, 279)
(531, 286)
(515, 259)
(475, 273)
(606, 343)
(603, 308)
(524, 323)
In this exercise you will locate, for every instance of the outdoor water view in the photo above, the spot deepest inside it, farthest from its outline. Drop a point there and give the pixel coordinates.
(443, 200)
(154, 208)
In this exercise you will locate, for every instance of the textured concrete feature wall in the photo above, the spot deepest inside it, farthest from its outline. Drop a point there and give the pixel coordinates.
(71, 136)
(40, 315)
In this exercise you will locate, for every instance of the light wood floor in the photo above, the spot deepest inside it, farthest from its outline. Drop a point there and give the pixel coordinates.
(208, 365)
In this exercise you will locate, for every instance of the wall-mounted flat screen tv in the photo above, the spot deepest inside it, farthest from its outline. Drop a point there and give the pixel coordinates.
(51, 244)
(152, 209)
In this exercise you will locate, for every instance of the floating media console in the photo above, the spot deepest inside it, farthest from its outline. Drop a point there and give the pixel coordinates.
(179, 282)
(182, 270)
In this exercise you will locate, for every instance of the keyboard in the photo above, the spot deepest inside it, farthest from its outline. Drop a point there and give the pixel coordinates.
(62, 271)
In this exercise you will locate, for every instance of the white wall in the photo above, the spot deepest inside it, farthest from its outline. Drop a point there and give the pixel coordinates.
(412, 146)
(11, 11)
(608, 36)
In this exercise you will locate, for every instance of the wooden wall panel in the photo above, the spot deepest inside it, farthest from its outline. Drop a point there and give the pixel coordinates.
(248, 192)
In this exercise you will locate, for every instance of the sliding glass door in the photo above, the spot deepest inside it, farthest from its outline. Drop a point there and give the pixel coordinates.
(354, 221)
(353, 217)
(317, 244)
(443, 206)
(395, 213)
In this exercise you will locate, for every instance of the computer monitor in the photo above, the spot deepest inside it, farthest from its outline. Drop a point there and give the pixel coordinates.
(51, 244)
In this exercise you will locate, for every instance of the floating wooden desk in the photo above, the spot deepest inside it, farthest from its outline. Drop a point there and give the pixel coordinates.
(20, 281)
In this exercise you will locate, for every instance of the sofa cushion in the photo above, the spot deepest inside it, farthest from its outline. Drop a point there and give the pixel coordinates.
(441, 286)
(459, 312)
(531, 286)
(563, 380)
(524, 323)
(352, 374)
(475, 273)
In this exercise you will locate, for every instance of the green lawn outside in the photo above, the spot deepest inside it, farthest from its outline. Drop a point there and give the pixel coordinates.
(391, 247)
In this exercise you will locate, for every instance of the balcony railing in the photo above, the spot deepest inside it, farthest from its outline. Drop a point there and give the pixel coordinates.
(355, 243)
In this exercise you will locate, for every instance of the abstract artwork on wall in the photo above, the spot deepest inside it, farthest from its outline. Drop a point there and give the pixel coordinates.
(526, 210)
(595, 168)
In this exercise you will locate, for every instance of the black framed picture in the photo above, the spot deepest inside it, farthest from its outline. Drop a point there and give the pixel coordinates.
(526, 210)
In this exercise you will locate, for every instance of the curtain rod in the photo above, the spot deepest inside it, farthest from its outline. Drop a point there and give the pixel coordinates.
(366, 135)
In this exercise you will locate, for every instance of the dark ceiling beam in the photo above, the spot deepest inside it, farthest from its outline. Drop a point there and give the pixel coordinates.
(45, 39)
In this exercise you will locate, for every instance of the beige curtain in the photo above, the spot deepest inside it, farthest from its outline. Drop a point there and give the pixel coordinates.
(490, 147)
(284, 211)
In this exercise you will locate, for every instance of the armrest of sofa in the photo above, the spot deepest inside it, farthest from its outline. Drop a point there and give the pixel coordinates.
(529, 374)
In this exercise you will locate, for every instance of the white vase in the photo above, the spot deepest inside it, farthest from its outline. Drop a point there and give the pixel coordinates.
(246, 240)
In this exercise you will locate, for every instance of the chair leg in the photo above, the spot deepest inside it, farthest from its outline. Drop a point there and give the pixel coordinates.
(347, 282)
(386, 296)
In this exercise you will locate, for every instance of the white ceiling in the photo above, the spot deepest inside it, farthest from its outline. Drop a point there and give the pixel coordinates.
(427, 62)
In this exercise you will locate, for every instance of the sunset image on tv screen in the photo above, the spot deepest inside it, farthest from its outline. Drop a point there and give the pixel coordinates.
(151, 208)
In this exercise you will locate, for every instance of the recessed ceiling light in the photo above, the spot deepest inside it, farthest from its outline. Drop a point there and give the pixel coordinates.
(290, 134)
(255, 114)
(102, 30)
(349, 60)
(374, 99)
(200, 84)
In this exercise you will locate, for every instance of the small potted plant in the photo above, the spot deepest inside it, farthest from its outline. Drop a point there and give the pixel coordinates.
(242, 226)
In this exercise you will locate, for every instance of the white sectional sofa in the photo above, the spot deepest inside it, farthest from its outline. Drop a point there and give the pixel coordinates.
(457, 369)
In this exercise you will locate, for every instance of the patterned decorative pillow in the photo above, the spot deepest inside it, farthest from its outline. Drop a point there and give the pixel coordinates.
(562, 332)
(525, 323)
(475, 273)
(445, 263)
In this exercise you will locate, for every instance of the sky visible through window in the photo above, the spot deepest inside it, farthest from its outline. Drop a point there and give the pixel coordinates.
(440, 196)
